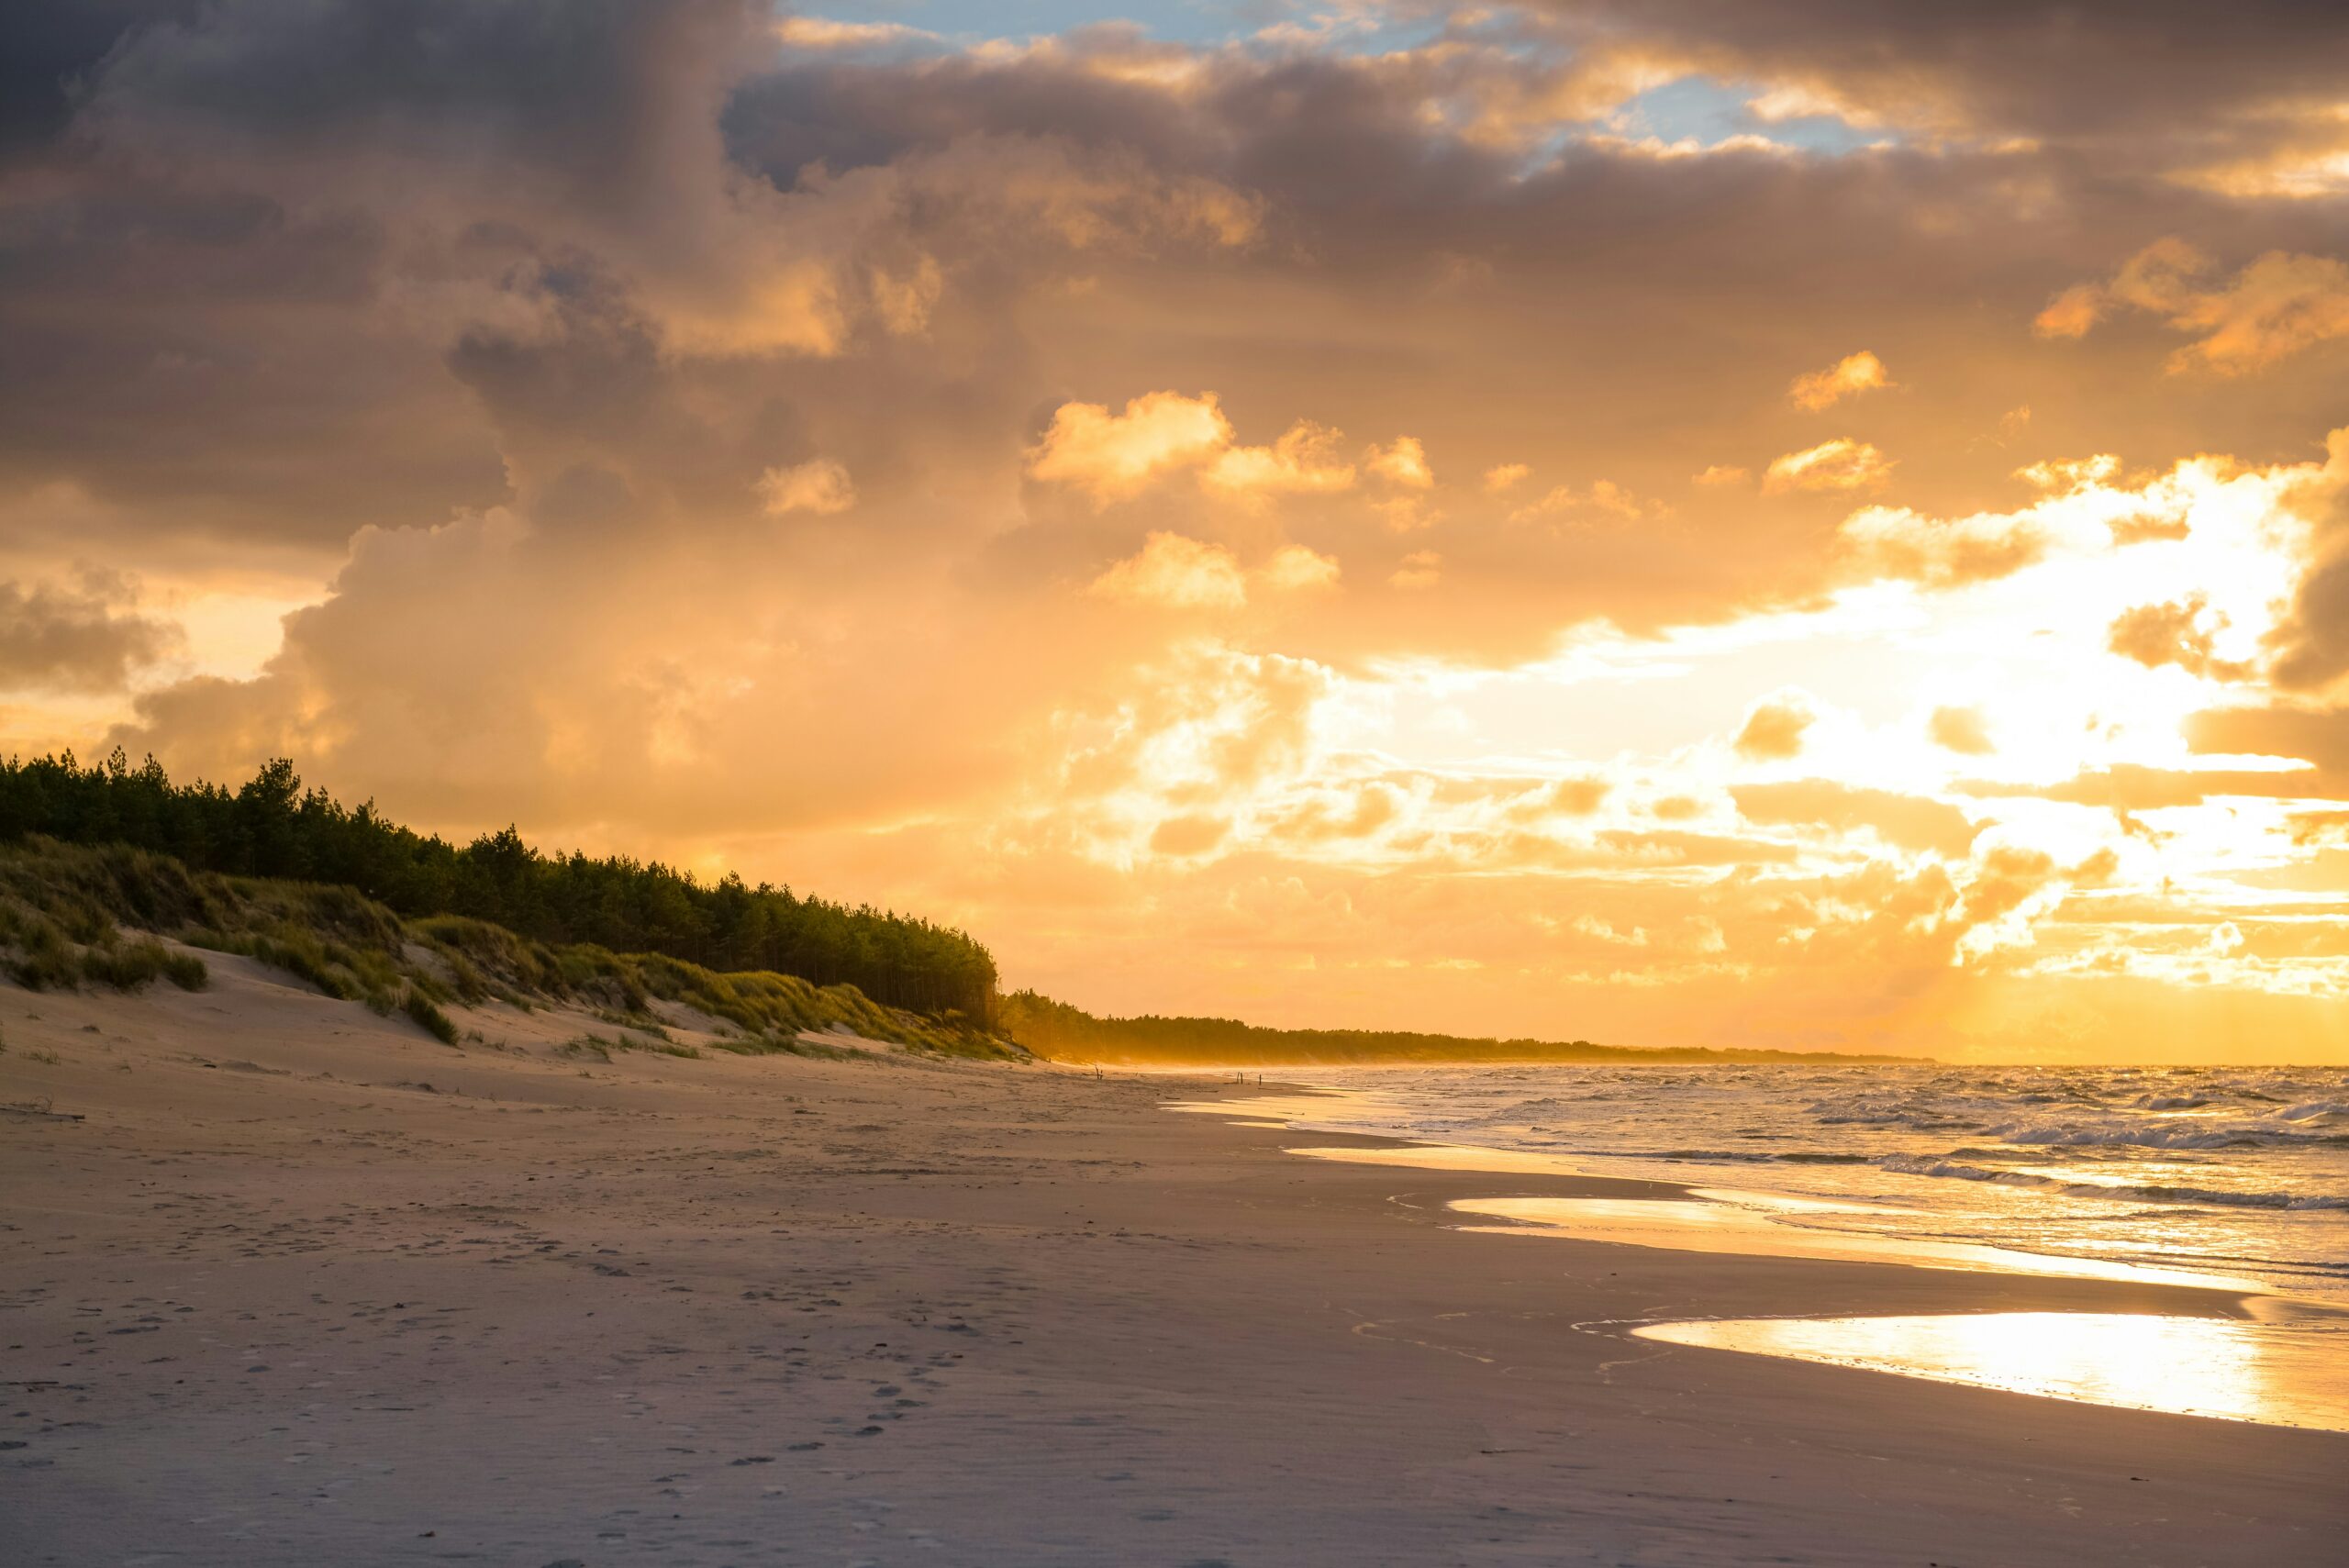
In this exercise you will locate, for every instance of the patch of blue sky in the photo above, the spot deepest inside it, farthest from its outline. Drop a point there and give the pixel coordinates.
(1704, 110)
(1350, 25)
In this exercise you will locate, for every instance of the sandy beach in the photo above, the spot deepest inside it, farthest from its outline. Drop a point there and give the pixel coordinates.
(283, 1283)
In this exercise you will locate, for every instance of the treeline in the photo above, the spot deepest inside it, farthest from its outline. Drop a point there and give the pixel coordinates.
(271, 827)
(1064, 1033)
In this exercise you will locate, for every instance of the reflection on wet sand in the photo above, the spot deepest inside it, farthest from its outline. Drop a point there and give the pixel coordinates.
(2279, 1361)
(2191, 1366)
(1764, 1229)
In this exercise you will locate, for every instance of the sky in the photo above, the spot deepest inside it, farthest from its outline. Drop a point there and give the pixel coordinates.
(1799, 523)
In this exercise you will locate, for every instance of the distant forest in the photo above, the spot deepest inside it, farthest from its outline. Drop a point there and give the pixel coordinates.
(1069, 1034)
(271, 827)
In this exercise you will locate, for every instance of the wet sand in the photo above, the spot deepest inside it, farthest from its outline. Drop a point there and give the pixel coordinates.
(303, 1286)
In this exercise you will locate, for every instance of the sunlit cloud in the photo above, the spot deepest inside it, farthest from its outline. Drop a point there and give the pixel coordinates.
(2278, 306)
(1852, 374)
(1113, 455)
(1177, 574)
(1402, 461)
(1841, 464)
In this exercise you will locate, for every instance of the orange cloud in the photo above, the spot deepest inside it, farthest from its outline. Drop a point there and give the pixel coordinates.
(1852, 374)
(1773, 731)
(1841, 464)
(1301, 461)
(1961, 729)
(1403, 463)
(1175, 572)
(1114, 455)
(2280, 305)
(1296, 568)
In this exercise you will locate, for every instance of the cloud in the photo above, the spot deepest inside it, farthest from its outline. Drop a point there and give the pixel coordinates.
(83, 635)
(1852, 374)
(1180, 836)
(819, 485)
(1910, 822)
(1839, 465)
(1402, 461)
(1114, 455)
(1303, 462)
(824, 34)
(1961, 729)
(1604, 499)
(1296, 568)
(1720, 476)
(1175, 572)
(1774, 730)
(2182, 632)
(1420, 569)
(2279, 304)
(1504, 477)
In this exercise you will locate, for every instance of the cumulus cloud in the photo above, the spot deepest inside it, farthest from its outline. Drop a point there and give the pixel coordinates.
(1774, 730)
(2279, 304)
(86, 634)
(1113, 455)
(1296, 568)
(1839, 465)
(1852, 374)
(1177, 573)
(1304, 461)
(1402, 463)
(2183, 632)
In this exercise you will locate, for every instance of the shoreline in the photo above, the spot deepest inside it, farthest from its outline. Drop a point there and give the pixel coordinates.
(305, 1285)
(2232, 1347)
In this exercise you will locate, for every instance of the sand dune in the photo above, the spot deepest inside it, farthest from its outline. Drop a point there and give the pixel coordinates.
(282, 1281)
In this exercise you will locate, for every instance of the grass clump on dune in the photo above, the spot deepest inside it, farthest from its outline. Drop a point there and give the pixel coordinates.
(54, 940)
(429, 1016)
(64, 908)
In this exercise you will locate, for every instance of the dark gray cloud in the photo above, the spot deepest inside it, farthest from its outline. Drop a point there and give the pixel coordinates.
(2115, 72)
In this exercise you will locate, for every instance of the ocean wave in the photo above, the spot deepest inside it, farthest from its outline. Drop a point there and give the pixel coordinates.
(1757, 1156)
(2185, 1135)
(1921, 1165)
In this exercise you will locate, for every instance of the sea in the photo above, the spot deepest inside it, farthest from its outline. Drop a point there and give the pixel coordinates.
(2241, 1172)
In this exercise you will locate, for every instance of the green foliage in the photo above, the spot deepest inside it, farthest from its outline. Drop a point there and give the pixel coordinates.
(272, 827)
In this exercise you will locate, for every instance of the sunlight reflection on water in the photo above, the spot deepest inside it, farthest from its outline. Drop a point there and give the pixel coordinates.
(2191, 1366)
